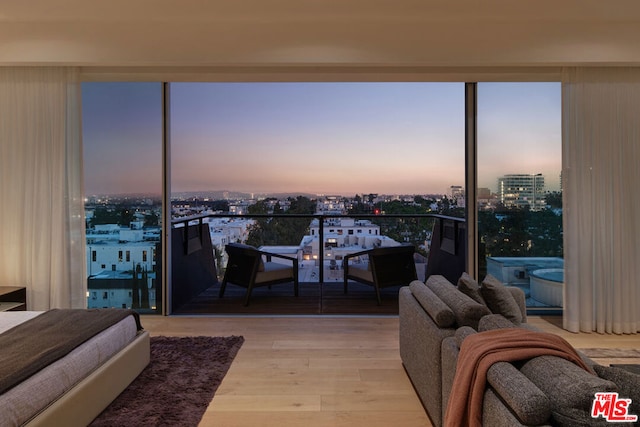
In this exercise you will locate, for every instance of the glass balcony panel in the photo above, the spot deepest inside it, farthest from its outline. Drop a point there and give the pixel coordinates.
(320, 265)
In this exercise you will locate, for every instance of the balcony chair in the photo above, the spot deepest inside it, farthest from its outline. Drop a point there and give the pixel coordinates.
(247, 268)
(387, 267)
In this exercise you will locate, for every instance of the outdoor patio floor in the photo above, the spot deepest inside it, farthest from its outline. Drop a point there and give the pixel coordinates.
(314, 298)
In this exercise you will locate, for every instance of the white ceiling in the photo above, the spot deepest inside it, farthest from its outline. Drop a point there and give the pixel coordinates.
(258, 33)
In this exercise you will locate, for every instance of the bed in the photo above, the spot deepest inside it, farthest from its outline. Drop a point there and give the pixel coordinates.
(73, 389)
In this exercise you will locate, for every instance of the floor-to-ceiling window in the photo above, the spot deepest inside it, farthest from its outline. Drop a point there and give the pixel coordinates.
(309, 148)
(122, 138)
(519, 152)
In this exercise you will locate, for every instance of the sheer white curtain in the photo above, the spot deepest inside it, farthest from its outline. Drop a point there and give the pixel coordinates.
(601, 179)
(41, 200)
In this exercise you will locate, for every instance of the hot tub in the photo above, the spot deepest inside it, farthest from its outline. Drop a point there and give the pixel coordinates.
(546, 285)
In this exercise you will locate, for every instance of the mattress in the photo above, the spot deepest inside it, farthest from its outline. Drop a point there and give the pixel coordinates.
(22, 402)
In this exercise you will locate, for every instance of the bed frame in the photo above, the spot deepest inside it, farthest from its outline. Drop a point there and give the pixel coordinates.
(87, 399)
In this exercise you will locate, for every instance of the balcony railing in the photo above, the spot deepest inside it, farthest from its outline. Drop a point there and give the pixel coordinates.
(321, 250)
(322, 225)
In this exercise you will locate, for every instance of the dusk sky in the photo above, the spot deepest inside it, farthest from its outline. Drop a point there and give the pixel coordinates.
(328, 138)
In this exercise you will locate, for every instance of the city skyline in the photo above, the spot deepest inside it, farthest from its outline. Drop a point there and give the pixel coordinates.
(322, 138)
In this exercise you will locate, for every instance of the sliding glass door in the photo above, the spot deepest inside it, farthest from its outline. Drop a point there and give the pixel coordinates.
(291, 152)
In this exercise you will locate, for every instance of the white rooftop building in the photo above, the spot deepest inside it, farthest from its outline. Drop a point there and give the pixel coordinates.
(113, 253)
(342, 236)
(330, 205)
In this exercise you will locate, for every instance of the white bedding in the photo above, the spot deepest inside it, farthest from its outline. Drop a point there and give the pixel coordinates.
(9, 319)
(28, 398)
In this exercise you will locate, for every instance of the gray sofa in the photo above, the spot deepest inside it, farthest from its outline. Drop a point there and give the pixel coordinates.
(436, 316)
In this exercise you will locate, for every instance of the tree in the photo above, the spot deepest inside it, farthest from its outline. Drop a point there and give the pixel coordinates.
(302, 205)
(406, 230)
(103, 215)
(521, 232)
(358, 206)
(144, 289)
(151, 220)
(256, 231)
(126, 216)
(280, 230)
(260, 207)
(217, 256)
(545, 230)
(554, 199)
(135, 288)
(218, 205)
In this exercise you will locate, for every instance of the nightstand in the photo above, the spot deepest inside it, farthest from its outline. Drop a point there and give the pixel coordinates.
(13, 298)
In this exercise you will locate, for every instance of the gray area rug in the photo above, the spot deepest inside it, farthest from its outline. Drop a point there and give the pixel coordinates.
(610, 353)
(177, 385)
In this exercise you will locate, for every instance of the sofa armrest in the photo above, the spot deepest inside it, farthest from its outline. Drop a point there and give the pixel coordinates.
(529, 404)
(511, 399)
(420, 341)
(461, 333)
(570, 388)
(496, 414)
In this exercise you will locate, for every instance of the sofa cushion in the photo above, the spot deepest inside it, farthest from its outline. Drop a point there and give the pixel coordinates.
(499, 299)
(628, 383)
(274, 271)
(468, 285)
(466, 311)
(494, 321)
(441, 314)
(570, 388)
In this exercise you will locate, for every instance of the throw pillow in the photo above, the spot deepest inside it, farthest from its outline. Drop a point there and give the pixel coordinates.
(468, 285)
(627, 382)
(467, 311)
(499, 299)
(435, 308)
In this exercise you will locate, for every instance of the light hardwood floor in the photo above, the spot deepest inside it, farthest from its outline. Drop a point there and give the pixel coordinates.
(324, 371)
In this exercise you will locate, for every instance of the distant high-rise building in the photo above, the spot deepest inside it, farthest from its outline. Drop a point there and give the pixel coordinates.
(457, 194)
(522, 190)
(560, 181)
(457, 191)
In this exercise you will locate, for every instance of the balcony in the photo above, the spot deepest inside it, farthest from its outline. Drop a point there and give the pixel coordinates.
(199, 260)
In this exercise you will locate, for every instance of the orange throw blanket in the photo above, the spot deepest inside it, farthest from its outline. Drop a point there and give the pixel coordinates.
(479, 351)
